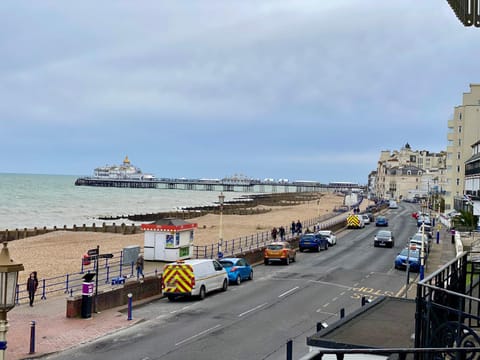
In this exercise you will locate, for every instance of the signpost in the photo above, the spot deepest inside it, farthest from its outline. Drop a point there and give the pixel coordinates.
(94, 254)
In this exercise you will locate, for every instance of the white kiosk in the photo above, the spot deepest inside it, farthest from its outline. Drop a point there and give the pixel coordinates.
(168, 239)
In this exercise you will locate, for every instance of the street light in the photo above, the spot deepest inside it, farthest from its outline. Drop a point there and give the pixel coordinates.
(221, 199)
(8, 285)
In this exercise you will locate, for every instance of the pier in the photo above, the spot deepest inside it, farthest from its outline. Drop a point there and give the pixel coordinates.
(225, 185)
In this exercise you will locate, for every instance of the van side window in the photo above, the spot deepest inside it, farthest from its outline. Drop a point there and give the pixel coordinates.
(217, 265)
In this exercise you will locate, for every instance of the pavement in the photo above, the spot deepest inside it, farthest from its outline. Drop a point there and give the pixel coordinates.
(54, 332)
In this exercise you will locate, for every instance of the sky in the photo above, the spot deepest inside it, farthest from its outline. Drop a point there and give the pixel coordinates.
(296, 89)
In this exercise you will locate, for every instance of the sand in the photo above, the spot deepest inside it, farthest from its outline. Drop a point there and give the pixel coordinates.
(59, 253)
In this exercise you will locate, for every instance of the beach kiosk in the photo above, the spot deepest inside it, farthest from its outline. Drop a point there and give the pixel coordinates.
(168, 239)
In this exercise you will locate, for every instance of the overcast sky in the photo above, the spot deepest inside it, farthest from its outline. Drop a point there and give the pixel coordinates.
(299, 89)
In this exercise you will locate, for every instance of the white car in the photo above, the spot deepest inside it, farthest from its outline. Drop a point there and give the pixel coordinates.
(366, 219)
(332, 239)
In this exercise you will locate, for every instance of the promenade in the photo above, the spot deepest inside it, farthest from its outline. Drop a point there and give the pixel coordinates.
(54, 332)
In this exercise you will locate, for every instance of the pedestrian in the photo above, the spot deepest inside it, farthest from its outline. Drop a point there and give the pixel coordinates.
(282, 233)
(32, 285)
(293, 227)
(274, 233)
(139, 266)
(299, 227)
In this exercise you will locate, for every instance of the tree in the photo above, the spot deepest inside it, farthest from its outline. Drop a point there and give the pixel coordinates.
(465, 221)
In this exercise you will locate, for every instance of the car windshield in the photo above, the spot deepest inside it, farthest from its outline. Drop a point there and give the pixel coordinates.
(275, 247)
(308, 237)
(381, 218)
(413, 253)
(384, 233)
(419, 237)
(226, 263)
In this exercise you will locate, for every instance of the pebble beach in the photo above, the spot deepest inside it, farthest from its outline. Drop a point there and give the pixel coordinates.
(59, 253)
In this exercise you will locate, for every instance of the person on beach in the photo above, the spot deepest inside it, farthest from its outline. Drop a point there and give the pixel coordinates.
(293, 228)
(282, 233)
(32, 285)
(139, 266)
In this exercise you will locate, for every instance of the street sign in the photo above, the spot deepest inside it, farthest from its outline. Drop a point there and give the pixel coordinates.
(92, 252)
(105, 256)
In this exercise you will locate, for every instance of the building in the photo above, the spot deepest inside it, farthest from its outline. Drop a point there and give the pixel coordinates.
(408, 173)
(464, 131)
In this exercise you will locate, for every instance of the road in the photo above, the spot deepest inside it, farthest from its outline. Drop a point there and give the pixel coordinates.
(257, 318)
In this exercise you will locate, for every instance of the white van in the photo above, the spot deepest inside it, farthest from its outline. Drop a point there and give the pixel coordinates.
(193, 278)
(392, 204)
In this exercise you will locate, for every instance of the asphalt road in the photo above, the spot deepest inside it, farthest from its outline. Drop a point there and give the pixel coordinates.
(256, 319)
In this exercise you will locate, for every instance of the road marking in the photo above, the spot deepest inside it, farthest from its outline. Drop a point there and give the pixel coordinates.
(325, 305)
(335, 299)
(253, 309)
(325, 312)
(183, 308)
(197, 335)
(342, 293)
(288, 292)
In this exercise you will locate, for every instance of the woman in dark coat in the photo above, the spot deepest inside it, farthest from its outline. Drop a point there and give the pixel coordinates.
(32, 285)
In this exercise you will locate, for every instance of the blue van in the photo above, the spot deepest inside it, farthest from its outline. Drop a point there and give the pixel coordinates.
(311, 241)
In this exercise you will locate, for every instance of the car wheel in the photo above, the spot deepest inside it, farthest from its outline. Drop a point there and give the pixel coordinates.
(265, 261)
(294, 259)
(201, 294)
(171, 297)
(238, 280)
(374, 244)
(225, 285)
(250, 277)
(318, 248)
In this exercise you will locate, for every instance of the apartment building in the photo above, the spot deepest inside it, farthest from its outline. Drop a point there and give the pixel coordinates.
(464, 132)
(408, 173)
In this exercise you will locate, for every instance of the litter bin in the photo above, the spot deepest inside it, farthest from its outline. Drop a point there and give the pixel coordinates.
(87, 295)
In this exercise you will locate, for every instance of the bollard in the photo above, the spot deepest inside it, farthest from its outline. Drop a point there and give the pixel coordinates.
(32, 337)
(290, 350)
(363, 301)
(438, 237)
(342, 313)
(129, 306)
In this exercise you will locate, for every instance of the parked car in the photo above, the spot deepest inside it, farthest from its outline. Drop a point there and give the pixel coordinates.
(406, 256)
(195, 277)
(384, 238)
(392, 204)
(331, 238)
(366, 219)
(238, 269)
(381, 221)
(279, 251)
(418, 238)
(311, 241)
(426, 229)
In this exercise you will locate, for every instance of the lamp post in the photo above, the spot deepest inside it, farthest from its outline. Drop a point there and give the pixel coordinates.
(221, 199)
(8, 285)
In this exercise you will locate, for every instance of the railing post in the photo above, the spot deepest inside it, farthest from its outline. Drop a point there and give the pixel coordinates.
(66, 283)
(129, 306)
(290, 349)
(44, 292)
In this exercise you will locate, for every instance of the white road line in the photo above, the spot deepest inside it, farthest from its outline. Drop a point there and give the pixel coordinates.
(325, 305)
(253, 309)
(288, 292)
(183, 308)
(197, 335)
(343, 293)
(335, 299)
(325, 312)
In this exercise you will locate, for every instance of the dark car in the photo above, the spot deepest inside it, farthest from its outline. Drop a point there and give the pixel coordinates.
(384, 238)
(315, 242)
(381, 221)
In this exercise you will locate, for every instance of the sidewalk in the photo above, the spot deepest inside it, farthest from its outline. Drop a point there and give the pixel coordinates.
(55, 332)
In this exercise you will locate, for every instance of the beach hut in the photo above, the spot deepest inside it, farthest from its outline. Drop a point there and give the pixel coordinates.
(168, 239)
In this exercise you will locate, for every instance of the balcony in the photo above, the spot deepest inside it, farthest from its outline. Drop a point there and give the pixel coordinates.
(451, 136)
(451, 124)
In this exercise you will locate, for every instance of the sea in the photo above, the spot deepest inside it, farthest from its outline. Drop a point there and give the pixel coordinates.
(28, 201)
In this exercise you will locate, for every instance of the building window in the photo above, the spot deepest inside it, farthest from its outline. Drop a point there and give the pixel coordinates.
(458, 168)
(460, 116)
(458, 155)
(459, 128)
(458, 182)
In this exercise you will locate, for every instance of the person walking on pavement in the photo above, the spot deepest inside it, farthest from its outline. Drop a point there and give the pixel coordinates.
(292, 228)
(274, 234)
(139, 266)
(32, 285)
(299, 227)
(282, 233)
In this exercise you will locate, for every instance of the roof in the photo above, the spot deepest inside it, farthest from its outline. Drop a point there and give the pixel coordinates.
(169, 224)
(371, 326)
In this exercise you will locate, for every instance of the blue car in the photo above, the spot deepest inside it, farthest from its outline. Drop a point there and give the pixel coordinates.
(238, 269)
(413, 257)
(315, 242)
(381, 221)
